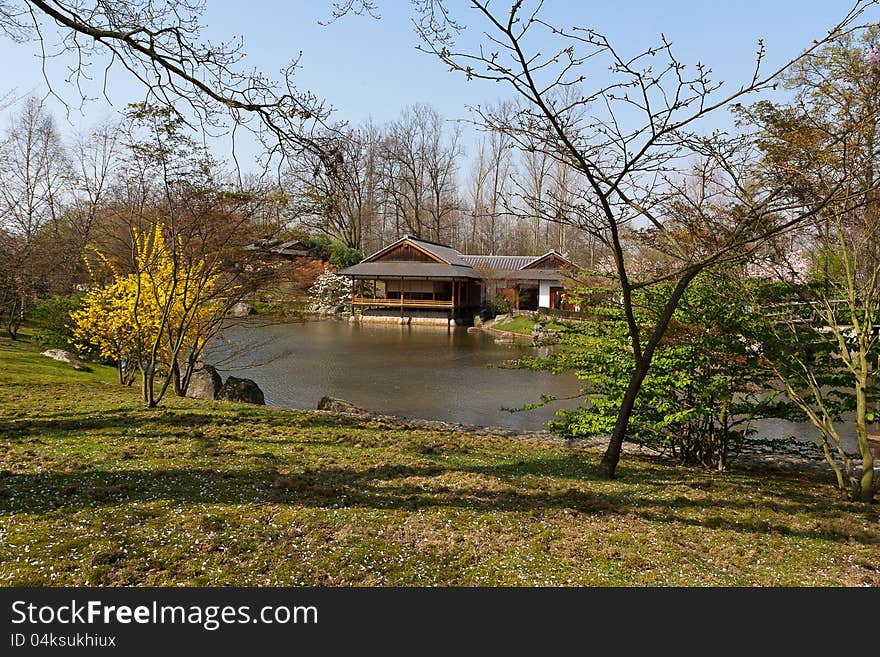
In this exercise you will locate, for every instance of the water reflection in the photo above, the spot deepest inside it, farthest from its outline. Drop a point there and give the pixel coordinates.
(423, 372)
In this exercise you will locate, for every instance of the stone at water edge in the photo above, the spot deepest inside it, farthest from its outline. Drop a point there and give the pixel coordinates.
(205, 382)
(339, 406)
(241, 309)
(241, 390)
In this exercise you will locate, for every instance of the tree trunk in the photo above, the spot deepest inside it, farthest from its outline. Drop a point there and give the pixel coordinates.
(147, 381)
(175, 379)
(608, 466)
(865, 489)
(145, 386)
(610, 459)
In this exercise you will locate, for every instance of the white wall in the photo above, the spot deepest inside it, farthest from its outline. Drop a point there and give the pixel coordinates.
(544, 294)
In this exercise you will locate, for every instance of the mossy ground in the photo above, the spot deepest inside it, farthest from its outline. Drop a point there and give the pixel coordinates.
(95, 489)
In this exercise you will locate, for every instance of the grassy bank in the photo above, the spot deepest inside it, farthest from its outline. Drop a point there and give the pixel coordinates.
(517, 324)
(95, 489)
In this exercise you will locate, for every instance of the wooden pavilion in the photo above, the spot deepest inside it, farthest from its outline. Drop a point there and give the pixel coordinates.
(416, 278)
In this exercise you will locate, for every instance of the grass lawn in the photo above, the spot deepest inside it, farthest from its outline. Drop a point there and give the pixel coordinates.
(96, 490)
(524, 324)
(517, 324)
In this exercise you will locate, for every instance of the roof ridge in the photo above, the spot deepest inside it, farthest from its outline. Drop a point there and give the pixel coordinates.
(517, 255)
(419, 239)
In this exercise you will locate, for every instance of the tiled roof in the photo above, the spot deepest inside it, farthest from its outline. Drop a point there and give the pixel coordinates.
(459, 265)
(442, 251)
(499, 263)
(274, 245)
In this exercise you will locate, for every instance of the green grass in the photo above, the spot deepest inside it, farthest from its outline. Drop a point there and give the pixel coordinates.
(519, 324)
(524, 325)
(96, 490)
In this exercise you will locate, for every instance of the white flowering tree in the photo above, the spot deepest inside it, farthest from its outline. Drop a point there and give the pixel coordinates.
(793, 267)
(330, 293)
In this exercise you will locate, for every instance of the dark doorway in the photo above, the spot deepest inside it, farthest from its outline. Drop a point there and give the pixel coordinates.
(528, 298)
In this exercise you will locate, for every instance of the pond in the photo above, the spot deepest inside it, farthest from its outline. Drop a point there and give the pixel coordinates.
(411, 371)
(421, 372)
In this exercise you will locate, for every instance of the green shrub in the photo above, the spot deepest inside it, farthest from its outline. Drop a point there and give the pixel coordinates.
(495, 307)
(52, 317)
(332, 250)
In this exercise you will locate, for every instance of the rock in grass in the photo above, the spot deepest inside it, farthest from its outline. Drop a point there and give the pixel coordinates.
(61, 355)
(241, 390)
(67, 357)
(204, 383)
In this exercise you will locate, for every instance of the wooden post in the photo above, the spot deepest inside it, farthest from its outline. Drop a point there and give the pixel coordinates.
(401, 297)
(453, 294)
(353, 284)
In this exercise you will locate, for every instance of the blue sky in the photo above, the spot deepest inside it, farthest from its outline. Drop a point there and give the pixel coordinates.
(370, 68)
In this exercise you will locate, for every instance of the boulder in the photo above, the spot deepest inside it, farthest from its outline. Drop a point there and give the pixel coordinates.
(67, 357)
(340, 406)
(60, 354)
(241, 390)
(204, 383)
(541, 335)
(241, 309)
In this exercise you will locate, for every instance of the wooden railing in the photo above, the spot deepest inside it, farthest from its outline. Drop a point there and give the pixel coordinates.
(397, 302)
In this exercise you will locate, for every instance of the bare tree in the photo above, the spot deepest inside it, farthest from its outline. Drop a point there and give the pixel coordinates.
(534, 182)
(441, 166)
(160, 45)
(491, 176)
(340, 201)
(634, 138)
(96, 160)
(33, 165)
(419, 172)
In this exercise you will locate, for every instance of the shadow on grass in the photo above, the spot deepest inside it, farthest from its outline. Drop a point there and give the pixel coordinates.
(412, 487)
(104, 420)
(170, 419)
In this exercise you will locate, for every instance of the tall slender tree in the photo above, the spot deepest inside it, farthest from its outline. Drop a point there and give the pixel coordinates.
(634, 137)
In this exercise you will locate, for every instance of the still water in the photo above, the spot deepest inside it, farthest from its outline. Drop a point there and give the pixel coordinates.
(419, 372)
